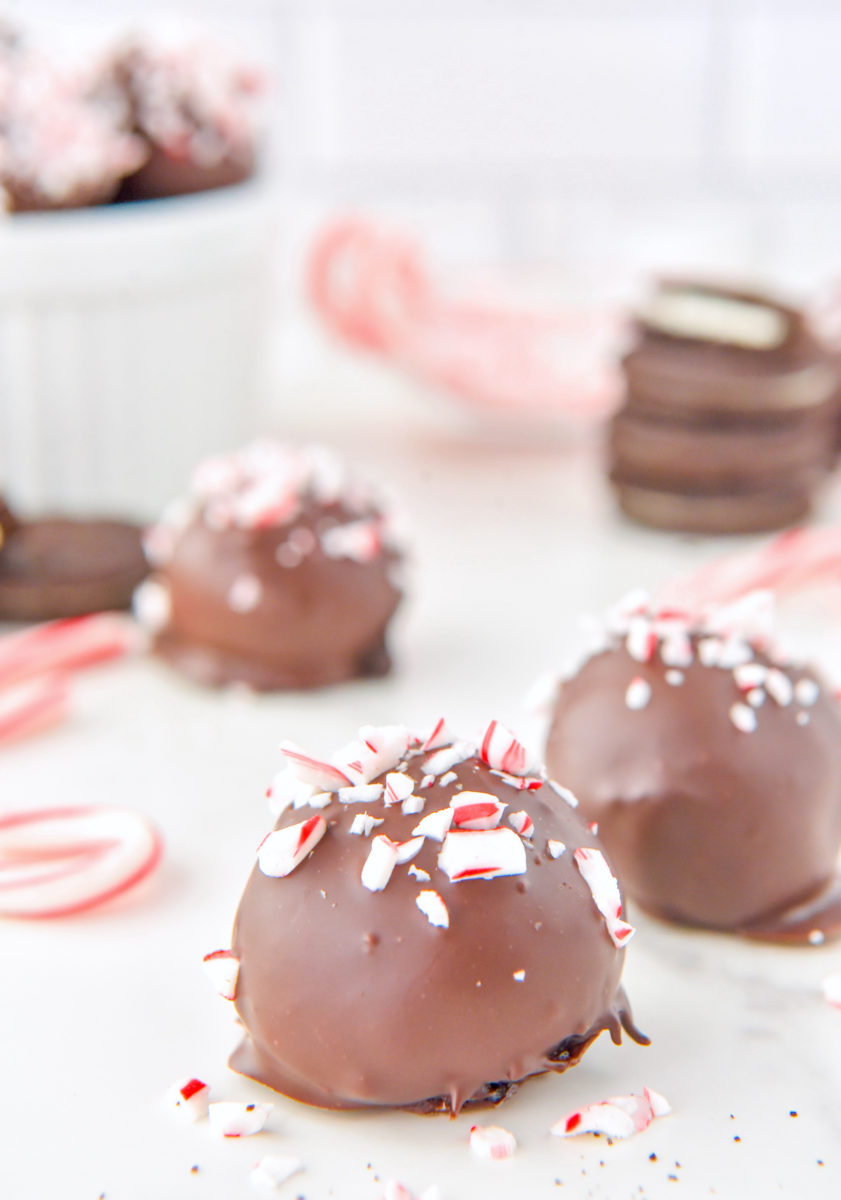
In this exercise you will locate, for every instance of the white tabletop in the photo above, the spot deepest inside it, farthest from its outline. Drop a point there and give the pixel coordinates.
(103, 1012)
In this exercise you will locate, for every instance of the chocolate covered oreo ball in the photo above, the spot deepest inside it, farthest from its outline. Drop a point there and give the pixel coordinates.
(277, 572)
(712, 766)
(429, 924)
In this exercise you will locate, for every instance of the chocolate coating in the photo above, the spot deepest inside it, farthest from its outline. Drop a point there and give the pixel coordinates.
(706, 824)
(58, 567)
(352, 999)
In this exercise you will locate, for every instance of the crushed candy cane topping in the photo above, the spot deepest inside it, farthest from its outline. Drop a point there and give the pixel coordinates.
(189, 1099)
(605, 891)
(231, 1119)
(272, 1170)
(492, 1142)
(283, 850)
(616, 1117)
(638, 693)
(433, 908)
(222, 967)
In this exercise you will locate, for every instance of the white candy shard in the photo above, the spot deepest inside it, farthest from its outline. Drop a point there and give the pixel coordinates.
(674, 678)
(446, 780)
(831, 988)
(522, 783)
(363, 823)
(287, 790)
(412, 806)
(231, 1119)
(476, 810)
(398, 787)
(522, 822)
(433, 908)
(322, 775)
(284, 849)
(616, 1117)
(189, 1099)
(272, 1170)
(676, 650)
(555, 847)
(605, 892)
(222, 968)
(419, 874)
(360, 540)
(435, 825)
(638, 693)
(492, 1142)
(743, 717)
(406, 851)
(519, 976)
(501, 750)
(641, 640)
(439, 736)
(383, 748)
(360, 793)
(447, 757)
(750, 675)
(709, 651)
(734, 652)
(806, 692)
(484, 854)
(779, 687)
(381, 861)
(564, 792)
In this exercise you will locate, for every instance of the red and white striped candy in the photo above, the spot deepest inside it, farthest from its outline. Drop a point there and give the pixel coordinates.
(521, 783)
(605, 892)
(359, 540)
(63, 860)
(616, 1117)
(433, 908)
(641, 640)
(476, 810)
(485, 854)
(231, 1119)
(32, 705)
(380, 863)
(322, 775)
(398, 787)
(435, 825)
(385, 745)
(68, 644)
(501, 750)
(273, 1170)
(522, 822)
(189, 1099)
(438, 737)
(281, 851)
(492, 1142)
(222, 967)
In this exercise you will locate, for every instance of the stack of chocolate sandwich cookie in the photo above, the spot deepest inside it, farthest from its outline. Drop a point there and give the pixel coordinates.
(729, 418)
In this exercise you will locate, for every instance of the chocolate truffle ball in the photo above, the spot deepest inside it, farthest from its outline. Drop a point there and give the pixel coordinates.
(429, 924)
(278, 572)
(712, 766)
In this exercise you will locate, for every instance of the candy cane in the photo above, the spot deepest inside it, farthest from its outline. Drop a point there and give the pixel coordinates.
(58, 861)
(69, 644)
(792, 562)
(32, 705)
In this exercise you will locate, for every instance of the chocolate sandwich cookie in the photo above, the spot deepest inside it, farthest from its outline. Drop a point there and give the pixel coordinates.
(430, 924)
(58, 567)
(712, 766)
(729, 417)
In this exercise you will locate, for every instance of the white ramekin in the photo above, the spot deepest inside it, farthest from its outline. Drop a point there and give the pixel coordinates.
(132, 344)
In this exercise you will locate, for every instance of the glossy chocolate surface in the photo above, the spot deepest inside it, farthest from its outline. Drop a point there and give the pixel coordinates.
(351, 998)
(705, 823)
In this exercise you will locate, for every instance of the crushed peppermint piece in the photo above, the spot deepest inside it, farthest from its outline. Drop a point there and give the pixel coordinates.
(616, 1117)
(433, 908)
(806, 692)
(638, 693)
(443, 760)
(245, 593)
(287, 790)
(492, 1142)
(222, 967)
(272, 1170)
(779, 687)
(750, 675)
(412, 806)
(363, 823)
(283, 850)
(802, 718)
(522, 783)
(641, 640)
(522, 822)
(482, 854)
(555, 848)
(231, 1119)
(743, 717)
(709, 651)
(406, 851)
(734, 652)
(322, 775)
(755, 697)
(439, 737)
(476, 810)
(519, 976)
(419, 874)
(674, 678)
(605, 892)
(564, 792)
(447, 779)
(831, 988)
(380, 749)
(360, 793)
(381, 861)
(189, 1099)
(500, 749)
(398, 787)
(360, 541)
(435, 825)
(676, 650)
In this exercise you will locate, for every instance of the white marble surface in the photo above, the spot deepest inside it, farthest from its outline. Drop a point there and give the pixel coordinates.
(101, 1013)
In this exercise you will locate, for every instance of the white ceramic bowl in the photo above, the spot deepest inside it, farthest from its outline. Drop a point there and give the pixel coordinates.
(132, 343)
